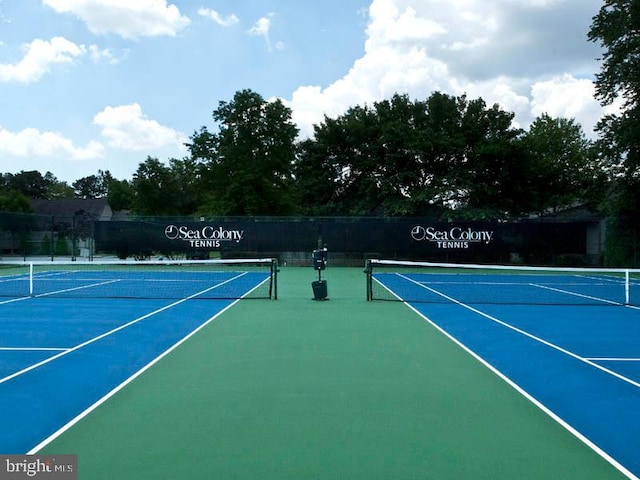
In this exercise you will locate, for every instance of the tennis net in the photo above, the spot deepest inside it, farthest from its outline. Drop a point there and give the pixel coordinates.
(484, 284)
(198, 279)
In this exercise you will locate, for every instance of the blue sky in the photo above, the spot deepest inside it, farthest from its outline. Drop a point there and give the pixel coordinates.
(88, 85)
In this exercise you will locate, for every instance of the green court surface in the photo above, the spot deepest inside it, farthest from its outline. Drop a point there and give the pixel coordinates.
(340, 389)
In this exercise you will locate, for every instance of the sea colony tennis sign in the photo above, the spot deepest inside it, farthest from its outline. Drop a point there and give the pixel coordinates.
(203, 237)
(451, 238)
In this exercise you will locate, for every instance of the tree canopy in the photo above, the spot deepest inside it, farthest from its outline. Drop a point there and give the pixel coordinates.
(616, 28)
(245, 168)
(444, 156)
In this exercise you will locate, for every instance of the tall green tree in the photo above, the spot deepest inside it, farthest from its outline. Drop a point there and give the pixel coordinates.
(444, 156)
(33, 184)
(121, 194)
(156, 190)
(564, 172)
(93, 186)
(477, 168)
(338, 173)
(186, 174)
(160, 189)
(246, 167)
(616, 28)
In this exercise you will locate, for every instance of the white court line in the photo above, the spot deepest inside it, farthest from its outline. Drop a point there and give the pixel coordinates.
(514, 385)
(567, 292)
(111, 332)
(32, 349)
(55, 292)
(58, 291)
(613, 359)
(14, 300)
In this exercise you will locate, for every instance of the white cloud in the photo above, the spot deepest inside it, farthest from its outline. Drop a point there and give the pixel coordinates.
(406, 27)
(31, 142)
(262, 28)
(567, 97)
(130, 19)
(99, 55)
(219, 19)
(494, 50)
(39, 56)
(126, 127)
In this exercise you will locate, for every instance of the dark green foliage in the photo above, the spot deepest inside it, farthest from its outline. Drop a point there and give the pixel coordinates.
(245, 168)
(445, 157)
(14, 201)
(564, 171)
(616, 28)
(33, 185)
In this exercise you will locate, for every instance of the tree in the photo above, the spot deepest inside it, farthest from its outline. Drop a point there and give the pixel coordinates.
(159, 189)
(188, 182)
(156, 189)
(318, 177)
(33, 185)
(477, 169)
(339, 171)
(121, 194)
(564, 172)
(93, 186)
(445, 156)
(14, 201)
(616, 28)
(246, 166)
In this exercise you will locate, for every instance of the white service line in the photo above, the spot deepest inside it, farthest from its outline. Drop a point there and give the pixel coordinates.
(32, 349)
(111, 332)
(527, 334)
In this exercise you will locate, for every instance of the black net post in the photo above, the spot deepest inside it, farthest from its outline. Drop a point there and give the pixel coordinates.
(274, 277)
(368, 270)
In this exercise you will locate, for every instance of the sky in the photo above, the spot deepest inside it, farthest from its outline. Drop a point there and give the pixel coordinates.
(89, 85)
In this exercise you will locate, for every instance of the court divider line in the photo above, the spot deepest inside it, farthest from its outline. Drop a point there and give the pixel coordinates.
(112, 331)
(575, 294)
(612, 359)
(65, 290)
(14, 300)
(33, 349)
(522, 391)
(122, 385)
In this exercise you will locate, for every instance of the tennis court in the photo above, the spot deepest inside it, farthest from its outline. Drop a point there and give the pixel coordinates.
(184, 387)
(73, 332)
(568, 339)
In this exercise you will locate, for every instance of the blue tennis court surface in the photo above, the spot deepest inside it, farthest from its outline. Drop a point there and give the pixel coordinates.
(565, 346)
(539, 289)
(71, 345)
